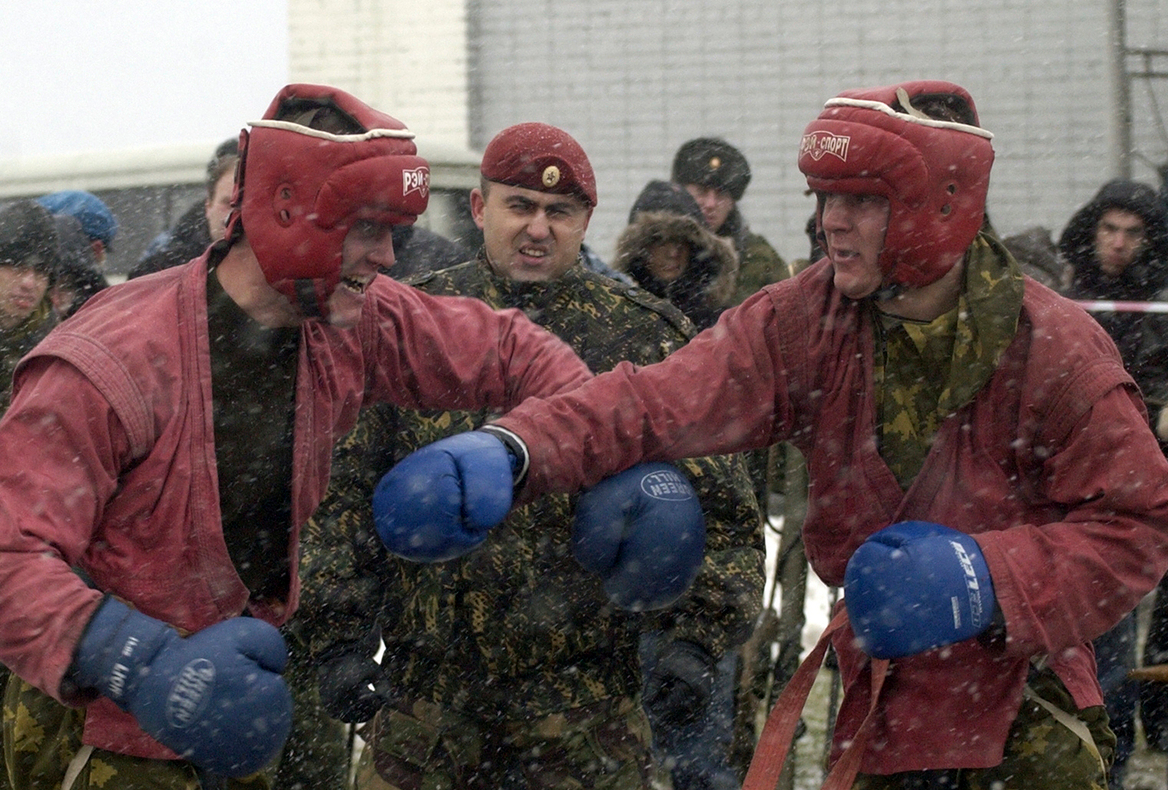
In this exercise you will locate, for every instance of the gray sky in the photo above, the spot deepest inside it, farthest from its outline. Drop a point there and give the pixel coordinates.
(99, 75)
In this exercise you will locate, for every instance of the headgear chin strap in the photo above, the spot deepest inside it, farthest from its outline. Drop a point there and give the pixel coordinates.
(935, 173)
(319, 161)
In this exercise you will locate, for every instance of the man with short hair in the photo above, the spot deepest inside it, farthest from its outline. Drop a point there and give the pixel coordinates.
(984, 484)
(511, 659)
(164, 447)
(200, 225)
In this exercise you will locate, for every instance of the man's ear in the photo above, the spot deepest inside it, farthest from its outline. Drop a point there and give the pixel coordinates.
(98, 247)
(478, 204)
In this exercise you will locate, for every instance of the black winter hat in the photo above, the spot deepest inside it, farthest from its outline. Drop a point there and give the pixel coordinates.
(712, 162)
(663, 197)
(28, 237)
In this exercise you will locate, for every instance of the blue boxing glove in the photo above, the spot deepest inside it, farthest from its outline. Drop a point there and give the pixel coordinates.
(914, 586)
(642, 531)
(439, 502)
(215, 698)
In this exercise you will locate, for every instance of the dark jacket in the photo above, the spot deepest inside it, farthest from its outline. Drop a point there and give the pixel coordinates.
(188, 239)
(417, 250)
(1142, 338)
(76, 267)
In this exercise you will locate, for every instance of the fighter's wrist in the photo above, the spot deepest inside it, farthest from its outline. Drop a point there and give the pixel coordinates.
(516, 449)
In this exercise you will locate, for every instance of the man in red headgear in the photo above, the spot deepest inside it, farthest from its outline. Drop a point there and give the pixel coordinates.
(162, 452)
(984, 483)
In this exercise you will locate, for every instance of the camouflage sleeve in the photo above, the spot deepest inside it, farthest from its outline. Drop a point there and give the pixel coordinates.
(720, 609)
(343, 566)
(760, 265)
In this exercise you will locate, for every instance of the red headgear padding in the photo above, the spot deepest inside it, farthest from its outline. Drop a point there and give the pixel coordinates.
(935, 173)
(301, 185)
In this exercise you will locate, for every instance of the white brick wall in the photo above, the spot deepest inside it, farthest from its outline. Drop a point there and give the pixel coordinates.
(405, 57)
(633, 79)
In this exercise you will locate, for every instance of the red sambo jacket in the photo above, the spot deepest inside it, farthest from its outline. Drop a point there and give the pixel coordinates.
(1051, 467)
(107, 456)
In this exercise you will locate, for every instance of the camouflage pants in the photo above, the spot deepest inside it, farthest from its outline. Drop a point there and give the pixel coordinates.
(5, 784)
(316, 755)
(1041, 753)
(42, 737)
(420, 747)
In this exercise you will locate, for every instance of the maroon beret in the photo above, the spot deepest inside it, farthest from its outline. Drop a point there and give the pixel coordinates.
(540, 157)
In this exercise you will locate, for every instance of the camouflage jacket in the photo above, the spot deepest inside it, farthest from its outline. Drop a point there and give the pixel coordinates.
(18, 341)
(758, 262)
(517, 625)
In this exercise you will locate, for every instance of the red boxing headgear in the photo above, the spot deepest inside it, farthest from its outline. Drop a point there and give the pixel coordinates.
(935, 173)
(319, 161)
(540, 157)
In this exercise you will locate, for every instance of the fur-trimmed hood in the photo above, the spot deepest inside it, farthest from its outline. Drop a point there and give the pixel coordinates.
(707, 286)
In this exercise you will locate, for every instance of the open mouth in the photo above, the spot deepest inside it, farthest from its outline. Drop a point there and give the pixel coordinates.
(354, 285)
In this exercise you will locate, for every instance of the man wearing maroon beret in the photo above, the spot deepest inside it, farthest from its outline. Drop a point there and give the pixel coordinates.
(511, 664)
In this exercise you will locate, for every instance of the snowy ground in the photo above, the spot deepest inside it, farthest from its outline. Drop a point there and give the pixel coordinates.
(809, 750)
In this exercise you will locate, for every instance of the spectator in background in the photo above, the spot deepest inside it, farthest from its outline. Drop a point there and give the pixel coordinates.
(97, 221)
(417, 250)
(201, 224)
(28, 263)
(1116, 247)
(1039, 257)
(78, 275)
(671, 253)
(29, 260)
(717, 174)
